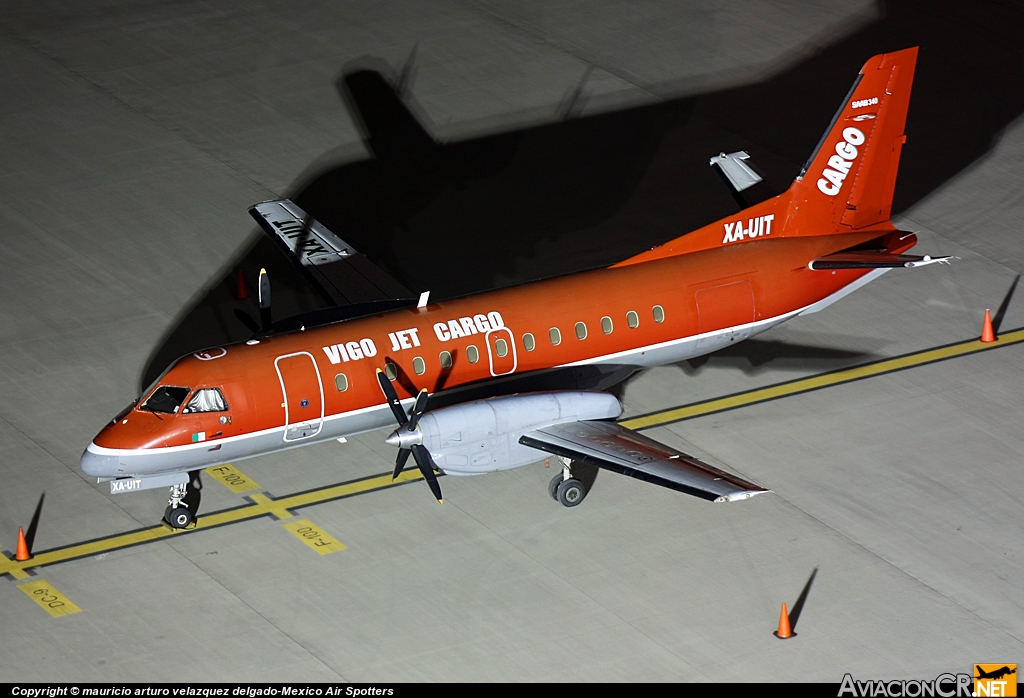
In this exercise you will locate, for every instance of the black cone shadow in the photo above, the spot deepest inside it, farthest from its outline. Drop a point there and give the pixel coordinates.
(30, 534)
(798, 607)
(997, 319)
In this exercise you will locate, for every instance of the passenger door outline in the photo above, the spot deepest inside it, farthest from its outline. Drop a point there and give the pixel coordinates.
(299, 431)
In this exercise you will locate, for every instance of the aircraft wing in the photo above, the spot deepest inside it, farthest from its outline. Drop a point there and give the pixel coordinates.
(614, 447)
(343, 275)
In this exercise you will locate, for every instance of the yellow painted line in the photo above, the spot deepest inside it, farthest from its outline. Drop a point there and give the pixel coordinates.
(803, 385)
(261, 505)
(232, 478)
(48, 598)
(313, 536)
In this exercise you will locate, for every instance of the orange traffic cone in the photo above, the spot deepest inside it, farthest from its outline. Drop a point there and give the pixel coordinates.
(22, 554)
(784, 632)
(987, 333)
(241, 293)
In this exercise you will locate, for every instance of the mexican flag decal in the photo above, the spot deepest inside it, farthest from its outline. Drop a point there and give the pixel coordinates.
(201, 436)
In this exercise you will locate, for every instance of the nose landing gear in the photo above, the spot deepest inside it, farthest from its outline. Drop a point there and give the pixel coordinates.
(183, 504)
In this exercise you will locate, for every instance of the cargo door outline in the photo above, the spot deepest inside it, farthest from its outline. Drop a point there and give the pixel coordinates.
(730, 305)
(290, 429)
(506, 334)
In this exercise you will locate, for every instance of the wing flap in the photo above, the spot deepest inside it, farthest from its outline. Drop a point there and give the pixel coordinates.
(614, 447)
(343, 275)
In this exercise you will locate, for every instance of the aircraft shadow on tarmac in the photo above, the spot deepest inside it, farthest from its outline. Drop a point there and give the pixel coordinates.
(578, 193)
(754, 355)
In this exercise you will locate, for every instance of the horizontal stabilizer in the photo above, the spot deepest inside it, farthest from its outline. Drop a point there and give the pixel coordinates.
(738, 173)
(614, 447)
(873, 260)
(343, 275)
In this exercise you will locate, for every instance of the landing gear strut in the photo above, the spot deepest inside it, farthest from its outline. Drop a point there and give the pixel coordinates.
(565, 488)
(183, 504)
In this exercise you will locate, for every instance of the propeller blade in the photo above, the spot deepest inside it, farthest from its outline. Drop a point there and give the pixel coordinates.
(403, 457)
(417, 409)
(393, 402)
(264, 287)
(426, 463)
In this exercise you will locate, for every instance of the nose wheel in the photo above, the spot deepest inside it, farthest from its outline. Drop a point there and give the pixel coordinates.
(566, 489)
(183, 503)
(178, 517)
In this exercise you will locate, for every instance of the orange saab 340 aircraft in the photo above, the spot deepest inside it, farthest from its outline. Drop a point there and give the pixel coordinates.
(797, 253)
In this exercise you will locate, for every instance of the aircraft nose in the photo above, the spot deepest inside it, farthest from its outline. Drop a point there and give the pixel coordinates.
(98, 464)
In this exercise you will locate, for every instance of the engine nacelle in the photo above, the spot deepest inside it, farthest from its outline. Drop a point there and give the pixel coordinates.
(483, 436)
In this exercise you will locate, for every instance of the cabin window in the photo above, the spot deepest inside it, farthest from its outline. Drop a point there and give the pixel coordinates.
(581, 330)
(446, 359)
(606, 325)
(472, 354)
(419, 366)
(391, 371)
(341, 382)
(166, 399)
(528, 342)
(632, 319)
(500, 347)
(659, 313)
(555, 336)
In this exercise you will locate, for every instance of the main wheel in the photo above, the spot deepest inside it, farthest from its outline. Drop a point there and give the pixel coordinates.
(571, 492)
(553, 486)
(180, 517)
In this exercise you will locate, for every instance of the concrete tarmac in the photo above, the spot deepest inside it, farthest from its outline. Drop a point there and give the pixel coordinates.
(132, 140)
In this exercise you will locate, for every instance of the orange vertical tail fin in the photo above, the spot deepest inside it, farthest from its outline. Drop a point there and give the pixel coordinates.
(850, 177)
(848, 181)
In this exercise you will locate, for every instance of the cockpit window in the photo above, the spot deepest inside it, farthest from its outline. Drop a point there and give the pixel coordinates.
(206, 400)
(165, 399)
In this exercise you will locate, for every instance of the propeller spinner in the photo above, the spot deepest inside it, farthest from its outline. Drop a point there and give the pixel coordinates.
(407, 437)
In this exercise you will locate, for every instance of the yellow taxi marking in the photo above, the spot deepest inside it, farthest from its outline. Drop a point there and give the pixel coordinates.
(262, 505)
(270, 506)
(232, 478)
(825, 380)
(48, 598)
(313, 536)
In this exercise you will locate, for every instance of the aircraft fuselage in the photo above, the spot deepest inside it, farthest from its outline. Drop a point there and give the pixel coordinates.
(314, 385)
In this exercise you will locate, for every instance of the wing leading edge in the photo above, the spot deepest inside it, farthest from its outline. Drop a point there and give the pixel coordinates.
(614, 447)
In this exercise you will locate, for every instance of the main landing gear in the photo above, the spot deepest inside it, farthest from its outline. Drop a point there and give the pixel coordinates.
(183, 503)
(567, 489)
